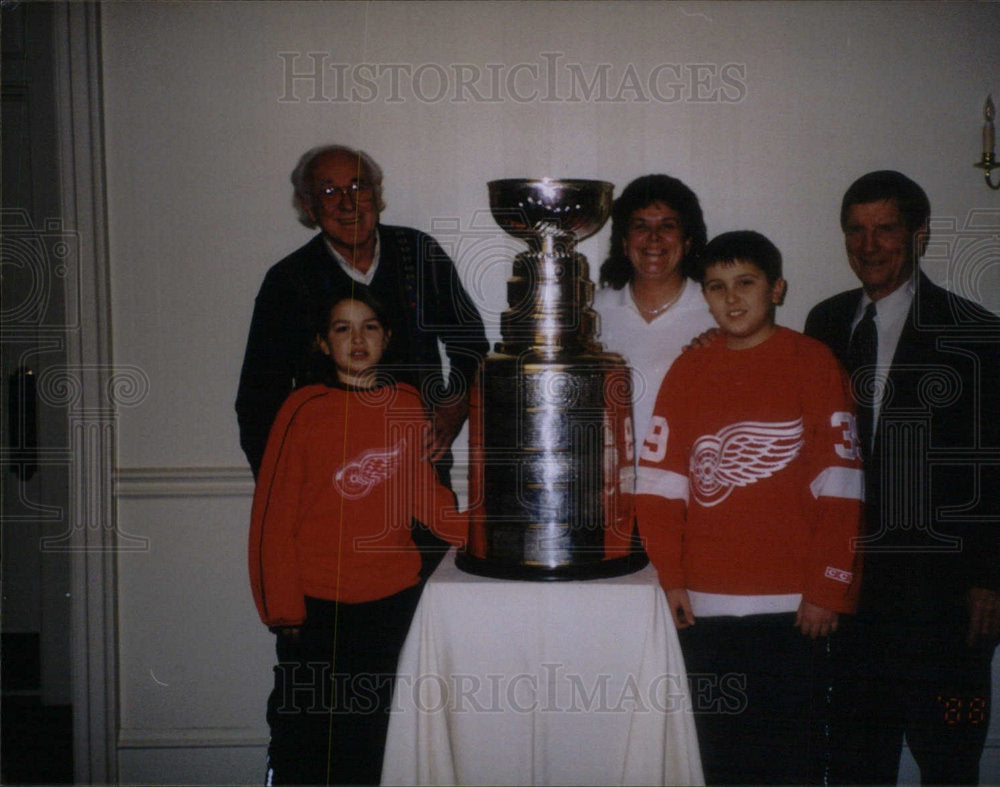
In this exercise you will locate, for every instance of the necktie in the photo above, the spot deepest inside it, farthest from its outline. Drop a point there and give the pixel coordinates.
(861, 357)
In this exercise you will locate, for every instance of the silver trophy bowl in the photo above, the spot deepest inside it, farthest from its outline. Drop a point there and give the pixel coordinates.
(550, 468)
(538, 209)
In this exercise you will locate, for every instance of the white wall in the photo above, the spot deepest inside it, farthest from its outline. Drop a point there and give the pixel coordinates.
(768, 110)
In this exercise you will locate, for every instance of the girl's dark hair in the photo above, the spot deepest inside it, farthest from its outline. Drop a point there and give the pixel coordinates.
(642, 192)
(320, 367)
(359, 293)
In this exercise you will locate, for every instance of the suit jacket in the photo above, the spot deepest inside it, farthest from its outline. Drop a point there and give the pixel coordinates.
(932, 483)
(433, 307)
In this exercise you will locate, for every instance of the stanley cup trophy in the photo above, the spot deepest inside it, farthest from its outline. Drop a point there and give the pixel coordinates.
(550, 417)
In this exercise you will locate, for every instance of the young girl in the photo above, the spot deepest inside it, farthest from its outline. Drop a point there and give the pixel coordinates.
(333, 566)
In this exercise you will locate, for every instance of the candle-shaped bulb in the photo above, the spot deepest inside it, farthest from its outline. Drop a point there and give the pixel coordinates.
(988, 135)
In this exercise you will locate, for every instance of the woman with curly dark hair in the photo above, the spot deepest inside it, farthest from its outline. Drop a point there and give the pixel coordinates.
(649, 307)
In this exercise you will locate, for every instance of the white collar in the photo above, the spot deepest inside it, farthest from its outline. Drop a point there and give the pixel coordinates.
(893, 307)
(681, 300)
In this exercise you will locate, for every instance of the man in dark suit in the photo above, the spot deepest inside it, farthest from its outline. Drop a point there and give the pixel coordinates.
(925, 364)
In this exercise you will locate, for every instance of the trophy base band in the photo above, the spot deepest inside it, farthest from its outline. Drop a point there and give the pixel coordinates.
(603, 569)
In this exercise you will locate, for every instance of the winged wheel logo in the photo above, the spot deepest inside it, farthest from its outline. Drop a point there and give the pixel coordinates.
(741, 454)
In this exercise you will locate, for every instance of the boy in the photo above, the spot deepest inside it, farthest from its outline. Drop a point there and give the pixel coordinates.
(748, 497)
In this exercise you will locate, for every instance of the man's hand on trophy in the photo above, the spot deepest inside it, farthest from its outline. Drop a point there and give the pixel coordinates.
(447, 422)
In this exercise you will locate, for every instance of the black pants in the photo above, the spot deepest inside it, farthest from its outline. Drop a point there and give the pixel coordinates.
(896, 679)
(758, 689)
(328, 710)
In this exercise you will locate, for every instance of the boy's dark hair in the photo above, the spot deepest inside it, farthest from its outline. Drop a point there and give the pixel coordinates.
(886, 184)
(616, 271)
(320, 367)
(742, 246)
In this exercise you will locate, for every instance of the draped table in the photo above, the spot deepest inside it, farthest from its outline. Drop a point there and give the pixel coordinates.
(548, 683)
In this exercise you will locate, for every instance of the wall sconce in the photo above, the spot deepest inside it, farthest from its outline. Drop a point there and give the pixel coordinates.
(988, 161)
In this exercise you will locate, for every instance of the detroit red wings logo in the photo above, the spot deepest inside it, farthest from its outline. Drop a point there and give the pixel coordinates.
(360, 475)
(741, 454)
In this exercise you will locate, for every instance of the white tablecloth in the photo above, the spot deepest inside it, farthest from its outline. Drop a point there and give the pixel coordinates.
(549, 683)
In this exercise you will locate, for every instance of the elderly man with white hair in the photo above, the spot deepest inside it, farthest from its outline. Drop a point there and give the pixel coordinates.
(339, 191)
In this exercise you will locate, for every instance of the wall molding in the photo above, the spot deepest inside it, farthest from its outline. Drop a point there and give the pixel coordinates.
(190, 738)
(157, 482)
(146, 483)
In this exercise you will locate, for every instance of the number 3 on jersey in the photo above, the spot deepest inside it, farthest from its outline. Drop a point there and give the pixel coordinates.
(849, 448)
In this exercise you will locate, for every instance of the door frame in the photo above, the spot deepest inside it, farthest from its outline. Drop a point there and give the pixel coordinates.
(93, 636)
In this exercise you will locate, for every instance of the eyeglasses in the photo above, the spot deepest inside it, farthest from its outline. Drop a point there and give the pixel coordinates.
(358, 192)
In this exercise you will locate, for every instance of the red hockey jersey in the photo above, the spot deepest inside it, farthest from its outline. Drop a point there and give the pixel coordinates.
(750, 481)
(341, 479)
